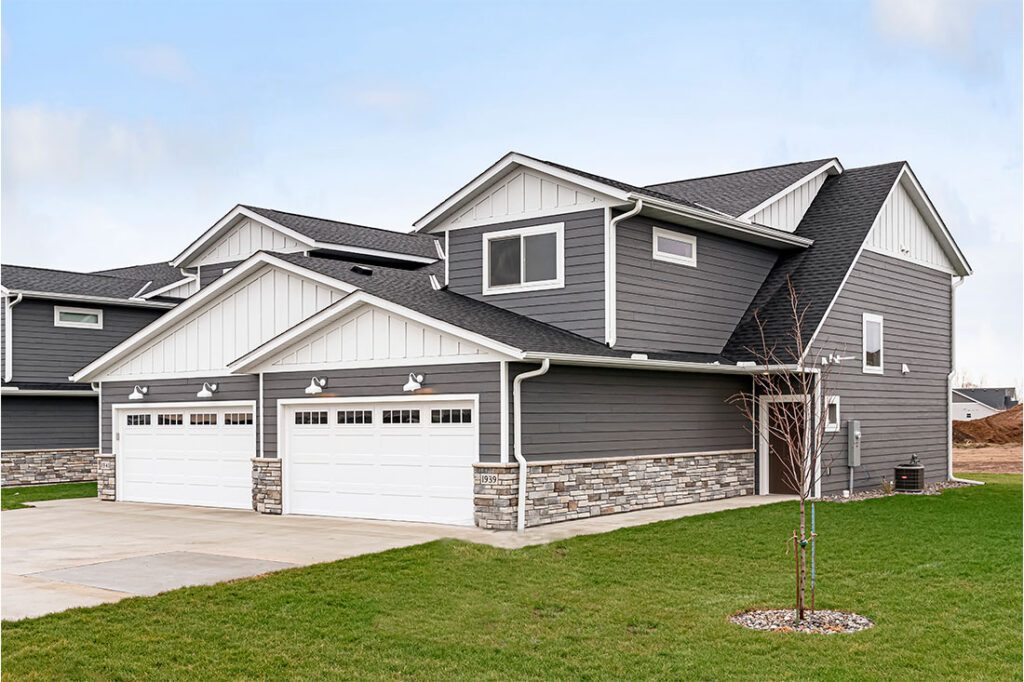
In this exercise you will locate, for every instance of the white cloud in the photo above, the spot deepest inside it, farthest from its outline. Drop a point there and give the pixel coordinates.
(162, 62)
(938, 24)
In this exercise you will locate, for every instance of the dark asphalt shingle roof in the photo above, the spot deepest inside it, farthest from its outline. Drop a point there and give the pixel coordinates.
(624, 186)
(996, 398)
(348, 234)
(45, 280)
(838, 220)
(737, 193)
(161, 274)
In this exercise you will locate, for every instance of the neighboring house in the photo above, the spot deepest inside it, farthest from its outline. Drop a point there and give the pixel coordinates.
(978, 403)
(590, 328)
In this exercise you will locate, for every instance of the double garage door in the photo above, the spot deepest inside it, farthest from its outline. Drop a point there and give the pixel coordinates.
(404, 460)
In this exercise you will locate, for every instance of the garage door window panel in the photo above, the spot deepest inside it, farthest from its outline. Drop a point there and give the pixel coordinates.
(400, 417)
(311, 417)
(138, 420)
(202, 419)
(355, 416)
(237, 418)
(169, 419)
(449, 416)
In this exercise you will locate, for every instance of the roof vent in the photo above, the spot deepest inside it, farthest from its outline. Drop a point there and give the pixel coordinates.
(362, 270)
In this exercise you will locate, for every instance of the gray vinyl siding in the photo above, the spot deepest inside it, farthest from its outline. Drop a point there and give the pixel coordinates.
(577, 307)
(900, 415)
(582, 412)
(173, 390)
(44, 353)
(674, 307)
(41, 422)
(476, 378)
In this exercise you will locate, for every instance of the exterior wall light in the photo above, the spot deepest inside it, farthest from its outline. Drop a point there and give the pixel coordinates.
(414, 383)
(316, 385)
(138, 393)
(207, 390)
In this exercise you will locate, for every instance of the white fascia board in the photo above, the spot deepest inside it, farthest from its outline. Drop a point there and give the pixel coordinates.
(134, 302)
(224, 223)
(935, 222)
(501, 166)
(833, 167)
(172, 285)
(57, 392)
(737, 229)
(253, 358)
(360, 251)
(664, 365)
(247, 266)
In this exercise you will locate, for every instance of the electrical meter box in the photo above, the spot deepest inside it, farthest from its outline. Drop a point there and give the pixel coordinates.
(853, 449)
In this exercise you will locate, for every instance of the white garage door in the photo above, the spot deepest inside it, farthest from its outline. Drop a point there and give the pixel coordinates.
(197, 455)
(408, 461)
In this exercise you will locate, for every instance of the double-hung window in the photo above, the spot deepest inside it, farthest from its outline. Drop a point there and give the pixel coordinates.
(524, 259)
(873, 340)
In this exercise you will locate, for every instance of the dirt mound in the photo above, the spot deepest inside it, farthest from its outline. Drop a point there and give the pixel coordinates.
(1005, 427)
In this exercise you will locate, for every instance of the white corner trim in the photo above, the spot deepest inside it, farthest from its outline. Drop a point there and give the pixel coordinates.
(503, 406)
(657, 254)
(832, 167)
(58, 322)
(558, 229)
(865, 318)
(446, 259)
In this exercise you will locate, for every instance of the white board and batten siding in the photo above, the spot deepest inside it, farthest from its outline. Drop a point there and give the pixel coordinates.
(257, 308)
(786, 212)
(900, 230)
(183, 291)
(242, 240)
(520, 194)
(369, 336)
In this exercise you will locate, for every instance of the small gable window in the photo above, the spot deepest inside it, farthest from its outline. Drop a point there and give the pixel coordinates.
(84, 318)
(832, 414)
(674, 247)
(873, 340)
(524, 259)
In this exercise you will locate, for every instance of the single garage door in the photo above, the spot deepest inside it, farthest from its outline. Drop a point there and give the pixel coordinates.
(196, 456)
(408, 461)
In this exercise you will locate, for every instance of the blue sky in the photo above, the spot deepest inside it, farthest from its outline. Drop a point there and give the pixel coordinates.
(130, 127)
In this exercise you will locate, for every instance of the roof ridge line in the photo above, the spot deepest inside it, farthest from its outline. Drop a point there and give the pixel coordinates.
(71, 272)
(738, 172)
(328, 220)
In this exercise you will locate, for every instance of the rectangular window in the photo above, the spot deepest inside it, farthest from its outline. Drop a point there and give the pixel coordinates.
(237, 418)
(674, 247)
(446, 416)
(82, 318)
(831, 413)
(873, 342)
(169, 420)
(202, 419)
(355, 416)
(314, 417)
(138, 420)
(524, 259)
(400, 416)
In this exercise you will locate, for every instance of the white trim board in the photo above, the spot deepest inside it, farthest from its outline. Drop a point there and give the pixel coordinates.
(832, 167)
(763, 439)
(558, 229)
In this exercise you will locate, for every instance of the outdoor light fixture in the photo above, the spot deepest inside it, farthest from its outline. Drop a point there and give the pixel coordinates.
(207, 390)
(316, 385)
(139, 393)
(414, 383)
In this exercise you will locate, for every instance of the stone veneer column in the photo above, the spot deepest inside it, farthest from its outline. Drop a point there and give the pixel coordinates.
(495, 498)
(106, 477)
(266, 485)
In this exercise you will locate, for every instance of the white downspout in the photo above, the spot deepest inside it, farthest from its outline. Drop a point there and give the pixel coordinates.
(517, 446)
(611, 275)
(954, 284)
(9, 337)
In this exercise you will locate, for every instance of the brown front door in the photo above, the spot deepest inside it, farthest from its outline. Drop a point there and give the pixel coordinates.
(779, 480)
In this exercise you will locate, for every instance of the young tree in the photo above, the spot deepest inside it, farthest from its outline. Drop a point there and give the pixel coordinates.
(795, 383)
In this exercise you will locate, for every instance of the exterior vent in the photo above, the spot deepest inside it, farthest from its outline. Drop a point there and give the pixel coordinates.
(910, 477)
(362, 270)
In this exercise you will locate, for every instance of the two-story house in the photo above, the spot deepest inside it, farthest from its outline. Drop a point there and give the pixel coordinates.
(549, 344)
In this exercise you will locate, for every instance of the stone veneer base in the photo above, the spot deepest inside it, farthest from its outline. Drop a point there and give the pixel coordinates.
(266, 485)
(106, 477)
(577, 489)
(37, 467)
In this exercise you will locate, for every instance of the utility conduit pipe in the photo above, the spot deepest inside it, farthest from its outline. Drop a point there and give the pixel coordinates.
(517, 449)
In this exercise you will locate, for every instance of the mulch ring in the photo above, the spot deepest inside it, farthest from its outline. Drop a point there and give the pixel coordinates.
(820, 622)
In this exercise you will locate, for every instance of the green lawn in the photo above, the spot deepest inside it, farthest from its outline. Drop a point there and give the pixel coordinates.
(940, 575)
(15, 498)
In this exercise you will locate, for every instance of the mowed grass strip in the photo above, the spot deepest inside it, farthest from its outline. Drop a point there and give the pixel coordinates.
(17, 498)
(940, 575)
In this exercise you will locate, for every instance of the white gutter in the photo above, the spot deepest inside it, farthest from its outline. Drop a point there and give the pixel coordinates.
(953, 286)
(9, 336)
(611, 275)
(49, 295)
(676, 365)
(62, 392)
(517, 446)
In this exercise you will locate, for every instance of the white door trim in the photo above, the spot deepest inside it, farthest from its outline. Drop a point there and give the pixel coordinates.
(284, 403)
(763, 434)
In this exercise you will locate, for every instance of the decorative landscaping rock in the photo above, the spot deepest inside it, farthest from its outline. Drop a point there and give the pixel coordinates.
(785, 620)
(930, 489)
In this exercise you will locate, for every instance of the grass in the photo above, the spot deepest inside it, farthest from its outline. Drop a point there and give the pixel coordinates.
(940, 575)
(15, 498)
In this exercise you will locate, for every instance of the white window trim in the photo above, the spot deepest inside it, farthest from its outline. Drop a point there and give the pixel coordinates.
(871, 317)
(57, 322)
(671, 257)
(832, 427)
(559, 282)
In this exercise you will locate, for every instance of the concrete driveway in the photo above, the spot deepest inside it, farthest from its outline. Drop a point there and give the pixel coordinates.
(67, 553)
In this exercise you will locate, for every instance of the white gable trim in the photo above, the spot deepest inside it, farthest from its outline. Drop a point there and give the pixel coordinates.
(257, 260)
(225, 223)
(833, 167)
(503, 165)
(172, 285)
(252, 360)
